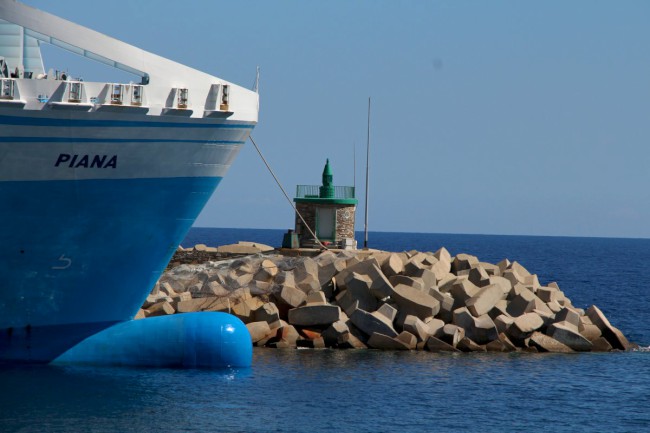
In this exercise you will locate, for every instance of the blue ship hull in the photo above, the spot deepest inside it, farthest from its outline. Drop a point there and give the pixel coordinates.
(78, 255)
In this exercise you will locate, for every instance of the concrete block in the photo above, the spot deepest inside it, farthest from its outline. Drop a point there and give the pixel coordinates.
(393, 266)
(243, 280)
(413, 265)
(547, 294)
(462, 291)
(445, 299)
(358, 287)
(515, 290)
(306, 268)
(347, 302)
(316, 298)
(337, 333)
(542, 309)
(497, 346)
(503, 283)
(329, 265)
(268, 313)
(569, 315)
(360, 267)
(384, 342)
(590, 331)
(513, 277)
(369, 323)
(241, 294)
(503, 322)
(416, 283)
(443, 255)
(179, 297)
(429, 260)
(517, 267)
(601, 345)
(501, 307)
(523, 303)
(435, 326)
(532, 282)
(204, 304)
(484, 300)
(160, 309)
(260, 288)
(312, 334)
(167, 289)
(467, 345)
(408, 339)
(387, 311)
(452, 334)
(441, 270)
(492, 270)
(380, 287)
(463, 262)
(569, 336)
(478, 276)
(507, 342)
(290, 296)
(484, 330)
(211, 288)
(309, 284)
(154, 299)
(288, 336)
(244, 309)
(434, 344)
(258, 330)
(314, 315)
(503, 265)
(613, 335)
(554, 307)
(417, 327)
(414, 302)
(285, 278)
(427, 277)
(243, 267)
(448, 282)
(523, 326)
(544, 343)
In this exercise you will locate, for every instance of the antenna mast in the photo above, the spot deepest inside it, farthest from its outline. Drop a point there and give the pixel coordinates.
(365, 239)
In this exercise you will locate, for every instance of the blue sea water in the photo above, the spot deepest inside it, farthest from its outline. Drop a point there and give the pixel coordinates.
(372, 391)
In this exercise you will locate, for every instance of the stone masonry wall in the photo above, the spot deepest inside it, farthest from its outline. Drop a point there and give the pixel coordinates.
(344, 225)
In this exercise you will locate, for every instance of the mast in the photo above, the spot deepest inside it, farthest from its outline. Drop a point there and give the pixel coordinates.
(365, 239)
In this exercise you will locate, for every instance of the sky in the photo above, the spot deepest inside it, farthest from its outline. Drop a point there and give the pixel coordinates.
(500, 117)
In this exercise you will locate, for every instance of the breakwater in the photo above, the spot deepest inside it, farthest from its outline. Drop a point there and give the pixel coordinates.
(376, 299)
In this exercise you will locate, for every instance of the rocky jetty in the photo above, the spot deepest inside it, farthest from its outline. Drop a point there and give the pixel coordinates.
(382, 300)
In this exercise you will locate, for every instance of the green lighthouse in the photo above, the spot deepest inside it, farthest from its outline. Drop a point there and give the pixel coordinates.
(328, 210)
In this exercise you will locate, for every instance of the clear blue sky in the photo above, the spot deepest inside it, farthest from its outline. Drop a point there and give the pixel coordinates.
(502, 117)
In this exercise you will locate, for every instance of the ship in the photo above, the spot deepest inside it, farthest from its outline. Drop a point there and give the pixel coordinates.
(99, 181)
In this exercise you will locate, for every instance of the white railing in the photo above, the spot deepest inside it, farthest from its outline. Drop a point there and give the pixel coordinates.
(7, 88)
(75, 92)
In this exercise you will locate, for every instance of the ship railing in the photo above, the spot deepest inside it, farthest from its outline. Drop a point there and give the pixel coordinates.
(7, 88)
(122, 95)
(75, 92)
(313, 191)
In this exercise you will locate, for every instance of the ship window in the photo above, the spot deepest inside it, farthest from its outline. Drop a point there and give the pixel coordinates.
(183, 95)
(6, 89)
(117, 94)
(225, 97)
(136, 94)
(74, 94)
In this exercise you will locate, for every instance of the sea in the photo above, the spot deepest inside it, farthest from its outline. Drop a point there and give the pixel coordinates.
(374, 391)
